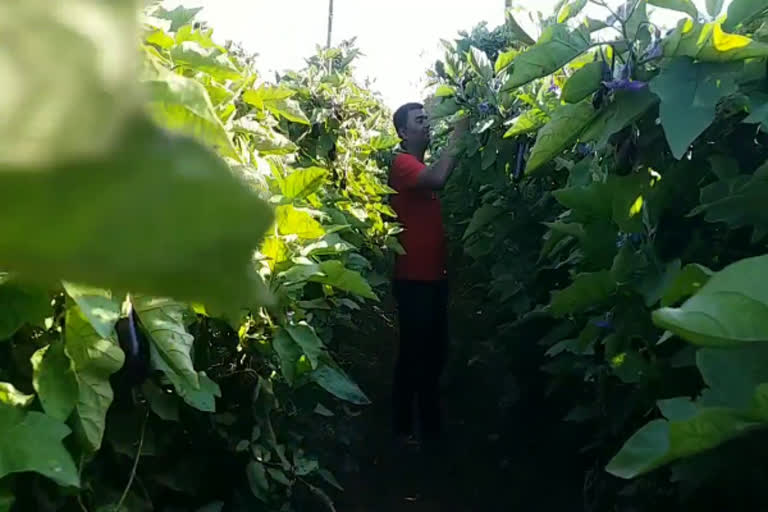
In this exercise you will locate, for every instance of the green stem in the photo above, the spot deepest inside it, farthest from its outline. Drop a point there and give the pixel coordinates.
(135, 464)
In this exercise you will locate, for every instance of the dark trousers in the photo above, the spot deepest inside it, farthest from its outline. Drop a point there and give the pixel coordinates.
(422, 310)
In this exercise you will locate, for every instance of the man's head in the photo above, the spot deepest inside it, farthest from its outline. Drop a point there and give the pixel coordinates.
(412, 125)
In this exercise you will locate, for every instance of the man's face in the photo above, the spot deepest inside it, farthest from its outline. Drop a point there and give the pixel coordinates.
(417, 129)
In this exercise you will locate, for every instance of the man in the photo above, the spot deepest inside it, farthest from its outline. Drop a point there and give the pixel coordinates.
(420, 282)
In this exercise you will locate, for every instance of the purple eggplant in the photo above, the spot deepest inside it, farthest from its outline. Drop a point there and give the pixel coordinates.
(135, 345)
(522, 147)
(604, 324)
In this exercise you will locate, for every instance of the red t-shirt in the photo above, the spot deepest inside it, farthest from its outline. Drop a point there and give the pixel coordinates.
(418, 210)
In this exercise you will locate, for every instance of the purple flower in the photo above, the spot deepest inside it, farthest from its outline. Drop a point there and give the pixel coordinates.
(604, 324)
(625, 84)
(626, 71)
(485, 108)
(583, 149)
(654, 52)
(553, 87)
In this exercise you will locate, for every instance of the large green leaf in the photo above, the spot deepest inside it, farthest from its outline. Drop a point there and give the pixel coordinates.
(515, 28)
(164, 322)
(626, 107)
(583, 82)
(182, 104)
(729, 310)
(306, 338)
(292, 221)
(733, 375)
(445, 108)
(686, 6)
(328, 245)
(266, 94)
(276, 99)
(21, 304)
(178, 17)
(587, 291)
(335, 381)
(98, 306)
(196, 57)
(334, 273)
(257, 479)
(570, 10)
(567, 123)
(9, 395)
(588, 203)
(556, 47)
(289, 353)
(31, 441)
(686, 283)
(481, 218)
(203, 399)
(94, 61)
(504, 60)
(265, 140)
(731, 406)
(480, 63)
(740, 11)
(170, 351)
(689, 93)
(54, 380)
(94, 360)
(192, 237)
(303, 182)
(528, 121)
(637, 22)
(661, 441)
(288, 109)
(758, 109)
(737, 202)
(628, 199)
(709, 43)
(165, 405)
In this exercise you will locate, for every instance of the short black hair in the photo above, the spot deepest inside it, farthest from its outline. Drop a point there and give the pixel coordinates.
(401, 115)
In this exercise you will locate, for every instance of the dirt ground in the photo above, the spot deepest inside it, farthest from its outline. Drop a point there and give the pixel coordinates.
(504, 448)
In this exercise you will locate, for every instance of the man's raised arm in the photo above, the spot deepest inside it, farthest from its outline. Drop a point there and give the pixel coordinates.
(436, 175)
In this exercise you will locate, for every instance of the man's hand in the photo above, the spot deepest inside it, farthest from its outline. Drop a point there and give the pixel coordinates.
(435, 176)
(461, 127)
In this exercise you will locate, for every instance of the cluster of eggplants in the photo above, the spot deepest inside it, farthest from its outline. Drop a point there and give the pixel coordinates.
(135, 345)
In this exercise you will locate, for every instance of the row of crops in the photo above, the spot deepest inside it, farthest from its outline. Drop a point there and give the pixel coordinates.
(177, 251)
(610, 203)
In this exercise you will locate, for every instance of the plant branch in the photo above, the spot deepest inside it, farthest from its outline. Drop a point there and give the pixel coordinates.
(632, 11)
(135, 463)
(604, 5)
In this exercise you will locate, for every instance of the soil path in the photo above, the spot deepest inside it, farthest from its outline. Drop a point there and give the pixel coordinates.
(504, 449)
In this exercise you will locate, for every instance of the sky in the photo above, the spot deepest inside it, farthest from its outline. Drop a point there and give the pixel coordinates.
(400, 39)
